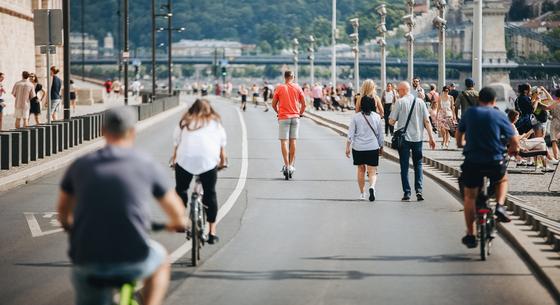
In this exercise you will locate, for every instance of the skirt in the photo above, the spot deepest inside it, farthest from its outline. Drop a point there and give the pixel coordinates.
(35, 107)
(366, 157)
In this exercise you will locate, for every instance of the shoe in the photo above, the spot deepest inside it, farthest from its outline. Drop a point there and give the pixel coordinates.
(266, 110)
(291, 171)
(371, 194)
(470, 241)
(547, 169)
(406, 197)
(554, 162)
(501, 213)
(362, 196)
(212, 239)
(419, 197)
(285, 172)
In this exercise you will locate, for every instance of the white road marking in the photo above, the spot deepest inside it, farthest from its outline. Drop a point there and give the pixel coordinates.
(232, 199)
(36, 229)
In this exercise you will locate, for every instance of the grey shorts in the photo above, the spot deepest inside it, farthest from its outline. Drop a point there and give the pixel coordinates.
(55, 104)
(288, 129)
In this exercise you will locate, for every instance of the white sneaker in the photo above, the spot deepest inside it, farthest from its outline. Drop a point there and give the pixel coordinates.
(363, 196)
(554, 162)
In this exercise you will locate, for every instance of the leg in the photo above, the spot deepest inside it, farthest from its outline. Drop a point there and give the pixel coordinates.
(417, 161)
(470, 199)
(361, 178)
(372, 174)
(554, 145)
(182, 181)
(1, 115)
(156, 285)
(284, 147)
(25, 122)
(404, 156)
(210, 198)
(18, 123)
(501, 190)
(292, 152)
(293, 135)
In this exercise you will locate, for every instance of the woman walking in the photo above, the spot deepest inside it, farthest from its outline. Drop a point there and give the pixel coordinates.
(72, 96)
(37, 101)
(365, 142)
(369, 89)
(554, 109)
(199, 150)
(388, 99)
(243, 92)
(445, 116)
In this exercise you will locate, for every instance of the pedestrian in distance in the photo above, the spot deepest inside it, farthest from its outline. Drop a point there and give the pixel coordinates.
(482, 132)
(446, 119)
(104, 205)
(388, 99)
(56, 98)
(467, 99)
(255, 92)
(116, 87)
(200, 127)
(317, 94)
(23, 91)
(417, 90)
(412, 117)
(453, 91)
(2, 103)
(108, 84)
(554, 109)
(266, 93)
(73, 96)
(38, 100)
(289, 104)
(243, 92)
(365, 142)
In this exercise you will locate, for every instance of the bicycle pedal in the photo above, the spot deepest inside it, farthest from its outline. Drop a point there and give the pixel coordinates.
(189, 235)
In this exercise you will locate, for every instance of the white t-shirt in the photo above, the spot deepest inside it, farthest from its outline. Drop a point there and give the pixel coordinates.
(198, 150)
(389, 96)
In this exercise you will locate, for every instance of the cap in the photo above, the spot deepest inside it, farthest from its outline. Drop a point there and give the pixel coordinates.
(469, 82)
(119, 120)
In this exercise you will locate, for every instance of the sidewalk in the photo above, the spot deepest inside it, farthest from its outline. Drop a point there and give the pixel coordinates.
(532, 189)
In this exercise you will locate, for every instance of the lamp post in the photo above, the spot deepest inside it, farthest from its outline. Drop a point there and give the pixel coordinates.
(295, 45)
(169, 55)
(440, 23)
(333, 41)
(409, 21)
(83, 13)
(382, 29)
(356, 50)
(311, 57)
(126, 55)
(477, 44)
(167, 15)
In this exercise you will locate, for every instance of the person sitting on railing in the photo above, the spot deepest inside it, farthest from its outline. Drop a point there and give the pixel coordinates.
(533, 141)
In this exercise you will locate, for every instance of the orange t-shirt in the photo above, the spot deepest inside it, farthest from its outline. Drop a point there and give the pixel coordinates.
(288, 96)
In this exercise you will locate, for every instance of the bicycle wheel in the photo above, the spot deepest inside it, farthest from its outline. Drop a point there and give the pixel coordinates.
(195, 234)
(483, 236)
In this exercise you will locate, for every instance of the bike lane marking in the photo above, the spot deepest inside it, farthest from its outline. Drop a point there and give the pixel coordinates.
(232, 199)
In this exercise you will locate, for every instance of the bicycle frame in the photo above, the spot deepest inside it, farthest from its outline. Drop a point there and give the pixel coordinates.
(485, 221)
(198, 220)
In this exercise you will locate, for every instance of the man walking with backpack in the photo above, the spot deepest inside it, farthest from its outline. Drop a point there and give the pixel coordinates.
(467, 98)
(411, 116)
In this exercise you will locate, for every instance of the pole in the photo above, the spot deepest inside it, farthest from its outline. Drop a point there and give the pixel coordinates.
(410, 75)
(383, 66)
(441, 51)
(48, 70)
(169, 49)
(153, 49)
(66, 57)
(119, 38)
(126, 51)
(83, 12)
(477, 45)
(333, 59)
(312, 62)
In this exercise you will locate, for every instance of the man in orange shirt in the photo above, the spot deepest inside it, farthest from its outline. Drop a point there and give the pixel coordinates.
(289, 103)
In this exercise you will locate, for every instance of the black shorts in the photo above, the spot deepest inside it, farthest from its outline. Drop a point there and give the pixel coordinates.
(366, 157)
(72, 95)
(472, 175)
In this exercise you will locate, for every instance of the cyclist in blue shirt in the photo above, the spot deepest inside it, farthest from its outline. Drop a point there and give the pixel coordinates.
(484, 132)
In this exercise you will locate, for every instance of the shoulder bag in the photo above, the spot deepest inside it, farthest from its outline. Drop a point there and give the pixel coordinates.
(372, 129)
(399, 135)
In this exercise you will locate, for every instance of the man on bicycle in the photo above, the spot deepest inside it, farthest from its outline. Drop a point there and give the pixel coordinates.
(289, 103)
(485, 129)
(104, 204)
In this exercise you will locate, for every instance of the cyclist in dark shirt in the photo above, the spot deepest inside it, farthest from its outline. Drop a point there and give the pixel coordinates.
(485, 129)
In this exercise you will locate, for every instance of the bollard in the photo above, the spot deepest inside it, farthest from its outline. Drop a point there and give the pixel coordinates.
(15, 140)
(59, 136)
(5, 151)
(40, 132)
(24, 146)
(70, 123)
(56, 137)
(33, 144)
(49, 135)
(87, 127)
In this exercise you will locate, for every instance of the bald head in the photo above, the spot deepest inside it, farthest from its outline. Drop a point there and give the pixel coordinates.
(403, 88)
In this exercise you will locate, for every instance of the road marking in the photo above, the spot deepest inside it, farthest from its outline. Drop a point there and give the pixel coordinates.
(232, 199)
(35, 228)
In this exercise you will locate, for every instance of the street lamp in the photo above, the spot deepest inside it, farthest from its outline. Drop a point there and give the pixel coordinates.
(356, 50)
(333, 41)
(311, 57)
(477, 44)
(168, 15)
(410, 23)
(295, 45)
(440, 23)
(382, 29)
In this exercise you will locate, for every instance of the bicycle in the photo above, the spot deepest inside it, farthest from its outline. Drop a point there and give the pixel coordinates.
(197, 215)
(485, 219)
(127, 286)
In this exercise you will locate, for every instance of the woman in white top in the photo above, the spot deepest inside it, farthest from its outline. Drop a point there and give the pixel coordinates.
(445, 116)
(388, 99)
(365, 137)
(199, 150)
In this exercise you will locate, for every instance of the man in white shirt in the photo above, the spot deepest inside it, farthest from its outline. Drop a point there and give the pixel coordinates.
(417, 90)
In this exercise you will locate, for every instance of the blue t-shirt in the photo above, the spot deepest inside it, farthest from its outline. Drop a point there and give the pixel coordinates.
(114, 188)
(55, 88)
(486, 129)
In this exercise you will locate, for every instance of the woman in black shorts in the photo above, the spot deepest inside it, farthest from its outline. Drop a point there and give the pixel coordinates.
(365, 142)
(35, 103)
(72, 96)
(243, 92)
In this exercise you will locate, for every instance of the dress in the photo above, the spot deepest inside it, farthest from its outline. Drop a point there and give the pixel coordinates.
(555, 123)
(445, 115)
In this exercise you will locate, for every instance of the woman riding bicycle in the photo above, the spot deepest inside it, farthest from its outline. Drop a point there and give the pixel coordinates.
(199, 150)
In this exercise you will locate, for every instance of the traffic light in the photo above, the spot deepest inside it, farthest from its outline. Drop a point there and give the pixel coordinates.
(224, 72)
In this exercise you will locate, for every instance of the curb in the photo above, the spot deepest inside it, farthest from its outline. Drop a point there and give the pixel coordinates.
(547, 229)
(33, 173)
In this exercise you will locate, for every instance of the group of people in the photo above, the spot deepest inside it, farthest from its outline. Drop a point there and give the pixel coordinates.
(266, 92)
(30, 97)
(324, 97)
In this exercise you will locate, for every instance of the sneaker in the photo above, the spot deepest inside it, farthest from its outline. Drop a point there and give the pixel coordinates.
(285, 172)
(371, 194)
(212, 239)
(419, 197)
(266, 110)
(470, 241)
(291, 171)
(362, 196)
(554, 162)
(406, 197)
(501, 213)
(547, 169)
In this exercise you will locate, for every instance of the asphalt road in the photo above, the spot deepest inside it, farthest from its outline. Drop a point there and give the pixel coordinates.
(306, 241)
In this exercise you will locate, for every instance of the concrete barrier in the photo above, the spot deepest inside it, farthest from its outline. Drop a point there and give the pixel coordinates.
(40, 132)
(33, 144)
(84, 96)
(5, 151)
(24, 146)
(15, 147)
(97, 95)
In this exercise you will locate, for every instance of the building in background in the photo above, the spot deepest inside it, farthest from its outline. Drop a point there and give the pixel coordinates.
(90, 47)
(525, 46)
(207, 47)
(108, 45)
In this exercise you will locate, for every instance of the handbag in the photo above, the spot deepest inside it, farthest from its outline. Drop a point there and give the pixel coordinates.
(374, 133)
(399, 135)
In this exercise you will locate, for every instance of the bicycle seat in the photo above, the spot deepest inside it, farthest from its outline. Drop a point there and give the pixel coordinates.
(483, 211)
(109, 281)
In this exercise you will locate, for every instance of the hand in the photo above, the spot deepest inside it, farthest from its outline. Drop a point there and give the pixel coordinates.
(381, 152)
(513, 151)
(347, 152)
(432, 144)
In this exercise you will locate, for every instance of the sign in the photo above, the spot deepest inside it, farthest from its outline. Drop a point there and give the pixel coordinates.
(125, 55)
(47, 25)
(52, 49)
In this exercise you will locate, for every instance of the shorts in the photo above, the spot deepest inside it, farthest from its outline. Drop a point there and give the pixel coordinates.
(366, 157)
(244, 99)
(288, 129)
(87, 294)
(55, 104)
(22, 113)
(317, 102)
(72, 96)
(472, 175)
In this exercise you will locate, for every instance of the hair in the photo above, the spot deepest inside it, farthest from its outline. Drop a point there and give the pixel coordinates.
(34, 78)
(367, 105)
(406, 84)
(469, 83)
(487, 95)
(538, 127)
(513, 115)
(117, 121)
(390, 84)
(54, 70)
(448, 88)
(25, 75)
(433, 87)
(1, 74)
(199, 115)
(288, 74)
(524, 89)
(368, 88)
(416, 78)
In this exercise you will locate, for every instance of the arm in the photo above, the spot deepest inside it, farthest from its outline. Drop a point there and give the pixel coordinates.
(428, 128)
(302, 105)
(275, 104)
(351, 132)
(380, 137)
(173, 207)
(65, 208)
(457, 105)
(513, 147)
(460, 136)
(223, 158)
(379, 107)
(394, 116)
